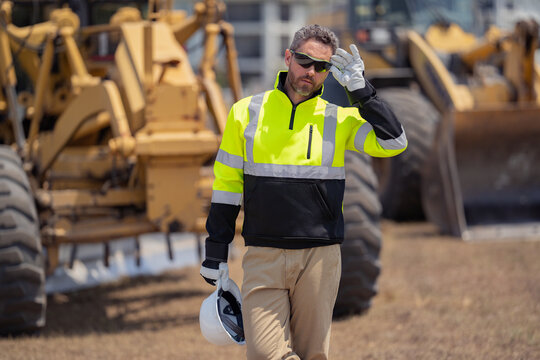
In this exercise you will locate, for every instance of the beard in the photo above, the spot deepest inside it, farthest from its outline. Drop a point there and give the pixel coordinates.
(301, 87)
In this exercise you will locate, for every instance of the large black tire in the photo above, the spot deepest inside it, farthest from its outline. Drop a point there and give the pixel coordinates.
(22, 275)
(399, 177)
(362, 245)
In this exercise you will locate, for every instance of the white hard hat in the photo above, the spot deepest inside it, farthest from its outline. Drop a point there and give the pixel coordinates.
(220, 317)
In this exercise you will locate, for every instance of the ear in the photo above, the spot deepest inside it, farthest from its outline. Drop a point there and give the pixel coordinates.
(288, 57)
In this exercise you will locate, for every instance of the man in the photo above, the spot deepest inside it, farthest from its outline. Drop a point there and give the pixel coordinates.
(283, 152)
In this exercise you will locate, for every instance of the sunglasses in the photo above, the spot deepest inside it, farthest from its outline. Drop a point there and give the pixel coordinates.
(305, 61)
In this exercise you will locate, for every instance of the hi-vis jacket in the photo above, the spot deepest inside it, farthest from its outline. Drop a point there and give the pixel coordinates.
(286, 162)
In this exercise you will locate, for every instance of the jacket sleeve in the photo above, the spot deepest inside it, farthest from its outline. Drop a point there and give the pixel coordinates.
(226, 191)
(380, 134)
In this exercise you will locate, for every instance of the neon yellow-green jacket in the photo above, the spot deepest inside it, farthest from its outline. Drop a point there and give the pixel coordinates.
(286, 162)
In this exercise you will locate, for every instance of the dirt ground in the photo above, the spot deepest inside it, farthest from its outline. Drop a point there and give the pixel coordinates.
(439, 298)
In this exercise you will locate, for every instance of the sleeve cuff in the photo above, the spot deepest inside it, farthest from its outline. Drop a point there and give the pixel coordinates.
(361, 96)
(216, 251)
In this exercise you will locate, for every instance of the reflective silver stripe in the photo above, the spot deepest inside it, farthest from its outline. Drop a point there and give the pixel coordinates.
(294, 171)
(389, 144)
(234, 161)
(329, 135)
(249, 134)
(361, 135)
(226, 197)
(394, 144)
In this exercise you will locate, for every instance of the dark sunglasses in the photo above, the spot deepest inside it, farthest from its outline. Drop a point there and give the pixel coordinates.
(305, 61)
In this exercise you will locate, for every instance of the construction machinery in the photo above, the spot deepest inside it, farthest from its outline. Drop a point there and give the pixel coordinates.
(105, 131)
(468, 96)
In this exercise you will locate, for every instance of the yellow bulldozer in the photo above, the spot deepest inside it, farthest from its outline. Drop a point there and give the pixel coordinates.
(105, 130)
(468, 95)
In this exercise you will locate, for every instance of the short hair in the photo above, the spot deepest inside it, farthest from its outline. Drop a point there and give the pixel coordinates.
(317, 32)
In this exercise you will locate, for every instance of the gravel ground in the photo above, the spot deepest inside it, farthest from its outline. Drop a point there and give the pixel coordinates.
(439, 298)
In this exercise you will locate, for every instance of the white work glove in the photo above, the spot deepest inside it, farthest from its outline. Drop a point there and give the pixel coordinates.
(215, 272)
(348, 69)
(223, 280)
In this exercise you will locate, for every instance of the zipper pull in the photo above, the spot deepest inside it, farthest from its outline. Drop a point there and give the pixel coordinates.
(291, 121)
(309, 141)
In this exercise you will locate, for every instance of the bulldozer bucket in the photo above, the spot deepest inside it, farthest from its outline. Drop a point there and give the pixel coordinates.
(482, 180)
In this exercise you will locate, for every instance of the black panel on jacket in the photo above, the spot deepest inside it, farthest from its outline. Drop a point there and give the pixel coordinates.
(378, 113)
(292, 213)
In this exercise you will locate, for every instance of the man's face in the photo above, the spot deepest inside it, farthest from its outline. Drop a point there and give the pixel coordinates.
(306, 81)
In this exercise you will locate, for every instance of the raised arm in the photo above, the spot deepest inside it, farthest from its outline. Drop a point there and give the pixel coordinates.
(390, 138)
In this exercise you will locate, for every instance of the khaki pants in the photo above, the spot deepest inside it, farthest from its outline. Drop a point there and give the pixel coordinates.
(287, 301)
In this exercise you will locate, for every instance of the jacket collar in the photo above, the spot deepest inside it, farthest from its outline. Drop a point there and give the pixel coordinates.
(280, 85)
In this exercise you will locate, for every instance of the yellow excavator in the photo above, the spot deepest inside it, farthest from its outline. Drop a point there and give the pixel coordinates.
(106, 131)
(468, 96)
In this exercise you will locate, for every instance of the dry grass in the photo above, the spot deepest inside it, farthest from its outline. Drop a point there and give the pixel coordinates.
(439, 299)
